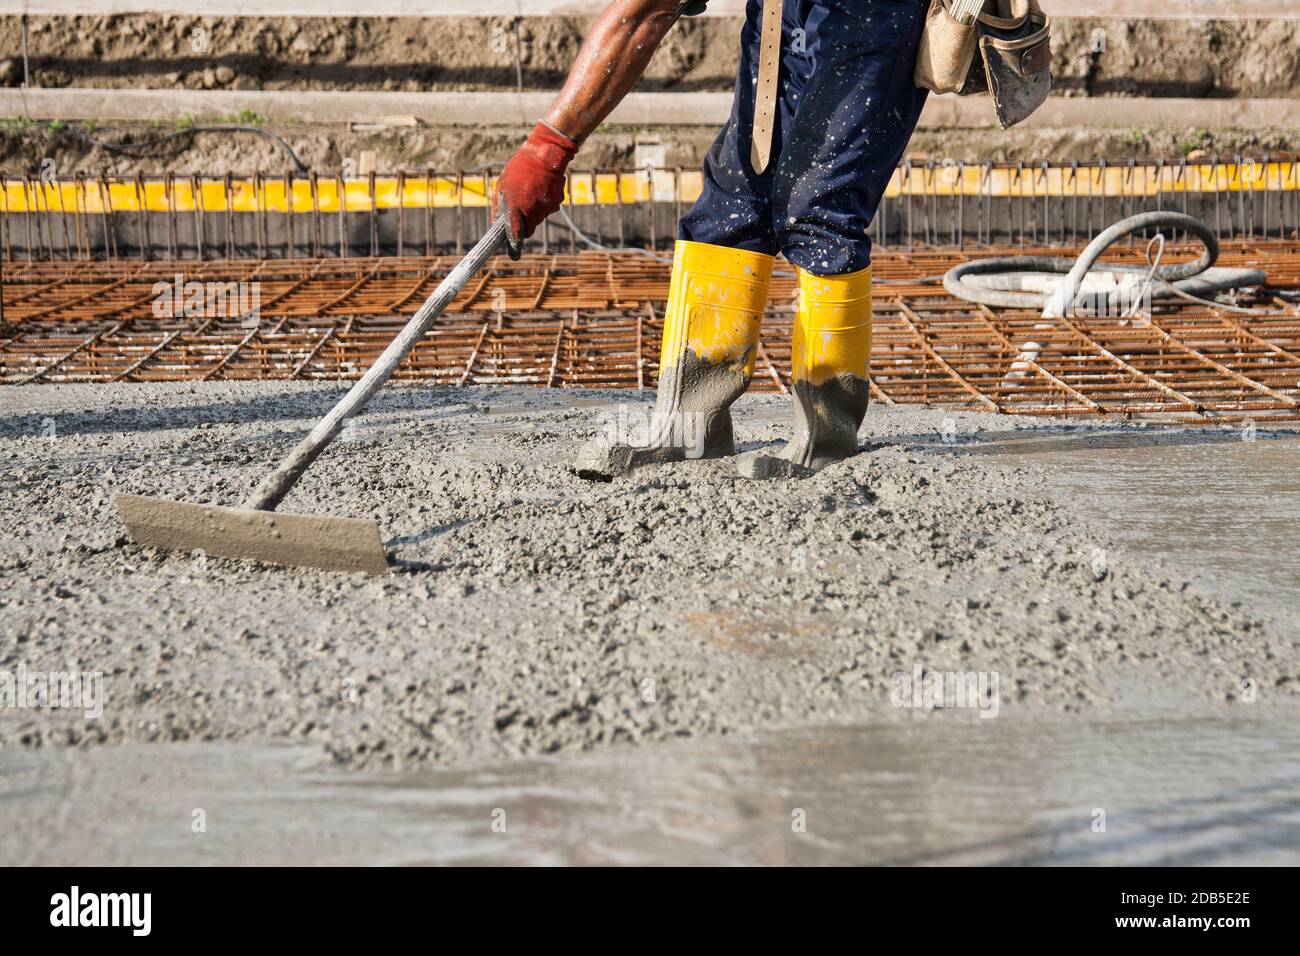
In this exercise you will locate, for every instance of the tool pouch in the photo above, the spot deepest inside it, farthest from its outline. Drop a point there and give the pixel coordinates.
(1006, 51)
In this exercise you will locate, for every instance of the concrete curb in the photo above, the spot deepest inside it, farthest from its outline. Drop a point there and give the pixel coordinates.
(639, 109)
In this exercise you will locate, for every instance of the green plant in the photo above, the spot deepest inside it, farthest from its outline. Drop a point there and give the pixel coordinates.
(246, 118)
(185, 122)
(1197, 141)
(1135, 138)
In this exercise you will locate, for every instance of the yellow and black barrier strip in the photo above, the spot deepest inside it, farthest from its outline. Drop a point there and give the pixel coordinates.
(322, 194)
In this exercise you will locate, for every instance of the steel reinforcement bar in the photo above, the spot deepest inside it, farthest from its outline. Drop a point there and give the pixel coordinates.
(595, 320)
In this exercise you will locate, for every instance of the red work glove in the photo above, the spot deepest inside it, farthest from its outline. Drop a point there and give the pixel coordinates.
(531, 186)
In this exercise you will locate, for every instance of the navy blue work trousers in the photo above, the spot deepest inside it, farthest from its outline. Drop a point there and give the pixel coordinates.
(847, 108)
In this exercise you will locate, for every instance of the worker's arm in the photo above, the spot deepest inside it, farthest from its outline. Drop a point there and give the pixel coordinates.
(613, 57)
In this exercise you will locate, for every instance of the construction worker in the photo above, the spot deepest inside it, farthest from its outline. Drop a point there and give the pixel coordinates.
(825, 104)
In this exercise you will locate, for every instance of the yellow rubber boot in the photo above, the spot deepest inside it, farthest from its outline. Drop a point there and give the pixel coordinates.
(830, 357)
(716, 300)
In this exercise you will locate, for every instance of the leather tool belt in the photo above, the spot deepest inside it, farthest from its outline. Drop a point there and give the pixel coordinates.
(1014, 43)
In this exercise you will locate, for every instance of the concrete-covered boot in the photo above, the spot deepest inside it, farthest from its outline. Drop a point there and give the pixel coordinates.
(716, 300)
(830, 354)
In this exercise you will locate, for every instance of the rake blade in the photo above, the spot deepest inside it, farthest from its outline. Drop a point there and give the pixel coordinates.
(331, 544)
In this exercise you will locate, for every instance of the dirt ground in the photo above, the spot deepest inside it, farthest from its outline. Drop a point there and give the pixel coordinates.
(533, 612)
(1093, 57)
(25, 147)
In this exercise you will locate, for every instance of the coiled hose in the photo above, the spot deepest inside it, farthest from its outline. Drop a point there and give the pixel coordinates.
(1029, 282)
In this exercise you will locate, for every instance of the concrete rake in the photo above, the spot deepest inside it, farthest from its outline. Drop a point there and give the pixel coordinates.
(254, 530)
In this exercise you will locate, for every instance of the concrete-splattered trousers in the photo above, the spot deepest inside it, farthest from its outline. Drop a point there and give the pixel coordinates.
(846, 109)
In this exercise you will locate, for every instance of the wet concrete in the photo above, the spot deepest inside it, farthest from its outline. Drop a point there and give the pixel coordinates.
(534, 612)
(1158, 792)
(675, 667)
(1225, 505)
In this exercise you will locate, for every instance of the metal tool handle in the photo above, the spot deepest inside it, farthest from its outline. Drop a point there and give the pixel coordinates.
(277, 484)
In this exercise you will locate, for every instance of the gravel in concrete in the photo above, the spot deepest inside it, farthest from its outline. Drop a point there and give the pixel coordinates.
(534, 612)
